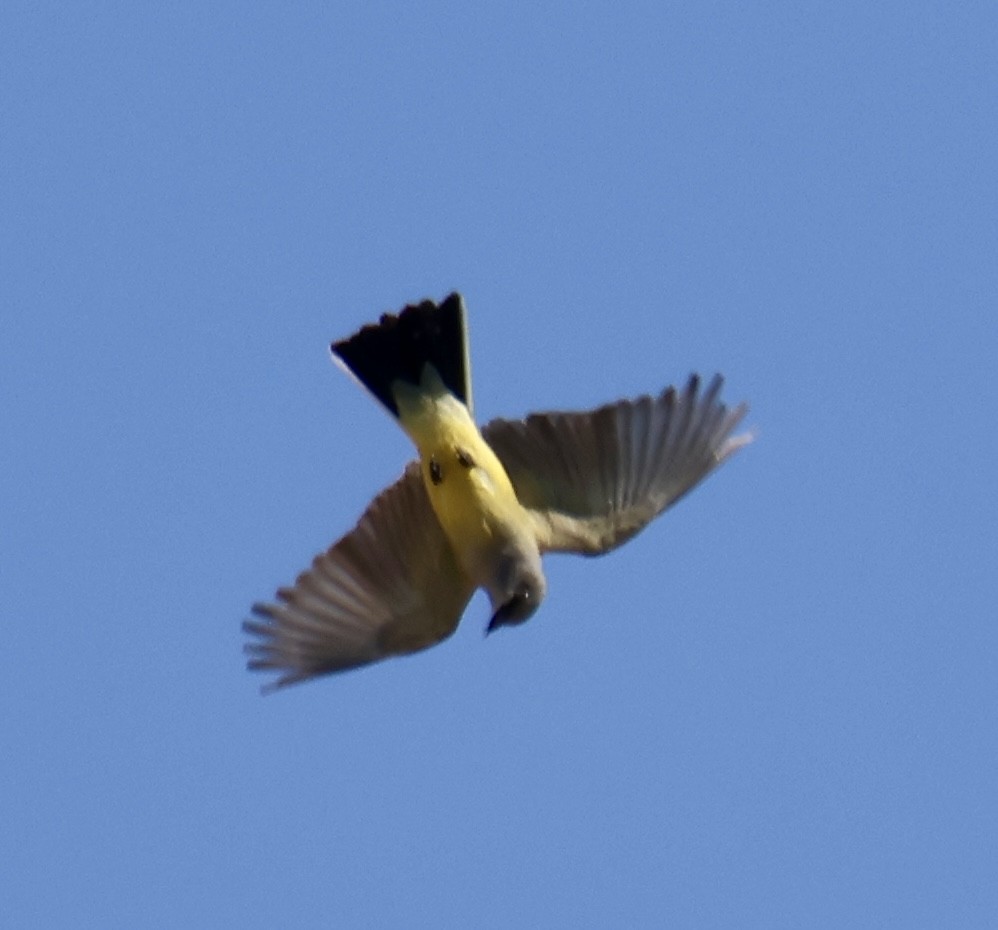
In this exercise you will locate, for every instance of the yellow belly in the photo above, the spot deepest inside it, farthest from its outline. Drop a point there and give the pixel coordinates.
(467, 485)
(465, 500)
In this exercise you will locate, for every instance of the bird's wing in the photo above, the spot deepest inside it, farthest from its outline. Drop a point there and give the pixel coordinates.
(594, 479)
(390, 586)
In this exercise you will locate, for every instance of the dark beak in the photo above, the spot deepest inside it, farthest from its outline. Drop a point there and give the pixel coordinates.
(508, 613)
(496, 622)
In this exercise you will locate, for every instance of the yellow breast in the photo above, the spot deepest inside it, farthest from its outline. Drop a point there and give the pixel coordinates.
(470, 494)
(467, 485)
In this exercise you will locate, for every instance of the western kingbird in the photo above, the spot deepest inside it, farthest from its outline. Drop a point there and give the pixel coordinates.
(478, 509)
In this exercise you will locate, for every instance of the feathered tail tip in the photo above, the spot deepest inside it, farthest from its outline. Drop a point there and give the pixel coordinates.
(398, 347)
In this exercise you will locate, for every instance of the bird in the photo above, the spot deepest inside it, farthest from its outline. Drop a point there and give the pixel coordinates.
(478, 508)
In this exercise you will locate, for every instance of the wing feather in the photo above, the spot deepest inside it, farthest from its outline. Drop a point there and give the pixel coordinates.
(390, 586)
(595, 479)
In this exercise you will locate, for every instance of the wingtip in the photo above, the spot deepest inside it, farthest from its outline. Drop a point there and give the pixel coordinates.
(735, 444)
(271, 665)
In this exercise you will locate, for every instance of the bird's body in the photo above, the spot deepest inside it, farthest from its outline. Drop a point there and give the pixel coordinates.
(468, 488)
(479, 507)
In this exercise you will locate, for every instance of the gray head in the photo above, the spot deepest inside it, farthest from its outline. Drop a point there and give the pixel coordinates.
(518, 587)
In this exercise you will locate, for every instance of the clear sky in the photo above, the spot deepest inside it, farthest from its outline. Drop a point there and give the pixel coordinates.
(776, 708)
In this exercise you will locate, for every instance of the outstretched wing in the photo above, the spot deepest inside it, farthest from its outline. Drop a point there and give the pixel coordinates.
(594, 479)
(390, 586)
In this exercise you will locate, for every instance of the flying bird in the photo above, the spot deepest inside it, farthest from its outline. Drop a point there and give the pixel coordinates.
(478, 508)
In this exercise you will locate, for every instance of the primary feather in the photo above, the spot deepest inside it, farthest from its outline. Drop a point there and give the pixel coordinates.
(594, 479)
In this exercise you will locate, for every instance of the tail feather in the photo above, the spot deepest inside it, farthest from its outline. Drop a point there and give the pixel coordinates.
(397, 347)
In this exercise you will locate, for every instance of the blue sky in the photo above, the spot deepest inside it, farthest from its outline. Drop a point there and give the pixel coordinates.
(775, 708)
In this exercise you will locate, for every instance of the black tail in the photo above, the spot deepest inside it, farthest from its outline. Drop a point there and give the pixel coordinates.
(397, 347)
